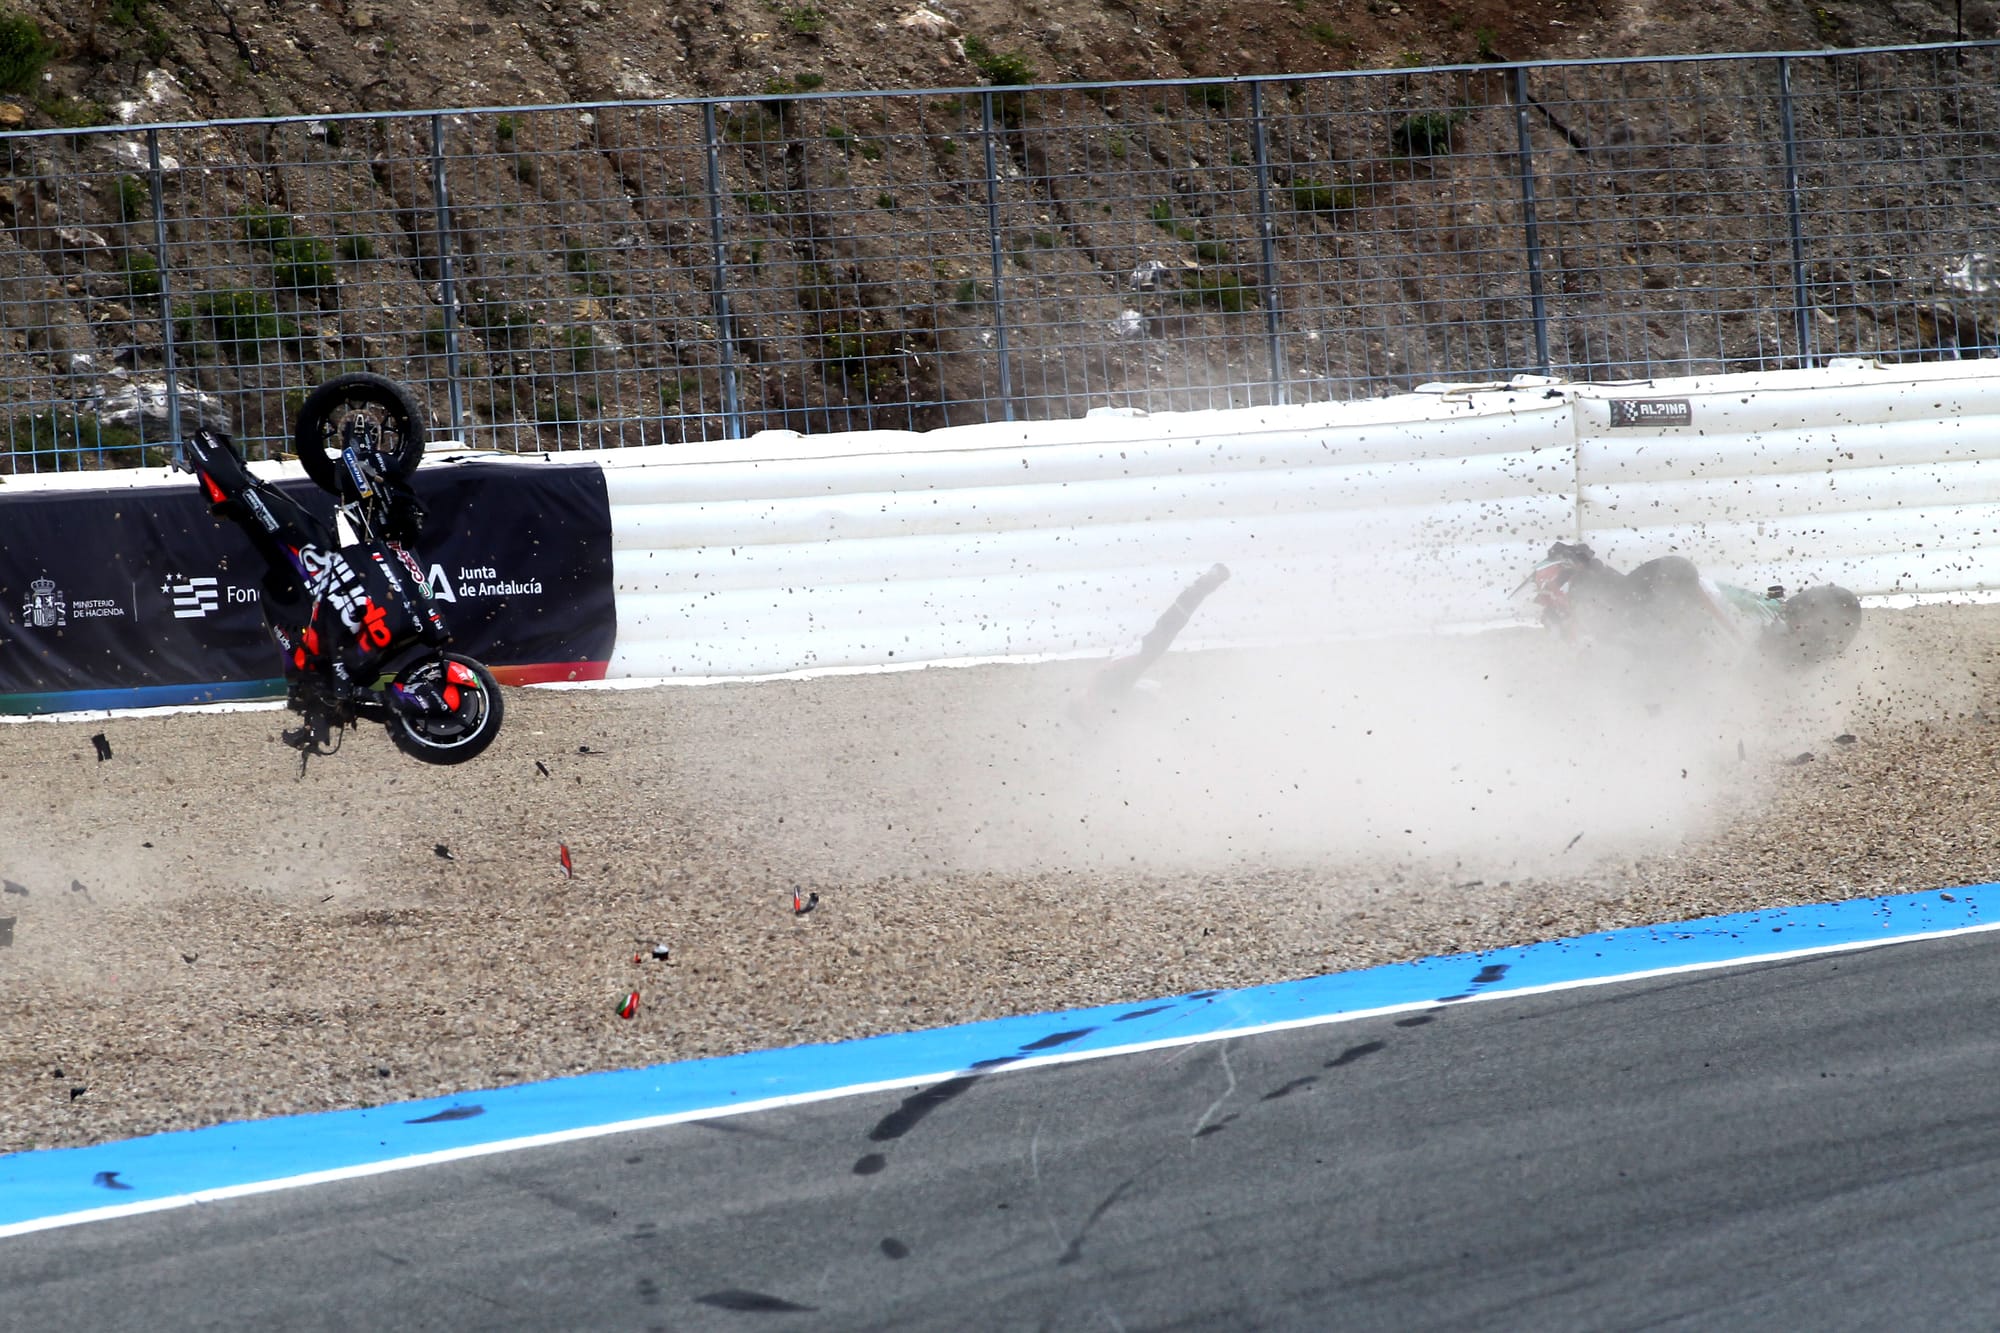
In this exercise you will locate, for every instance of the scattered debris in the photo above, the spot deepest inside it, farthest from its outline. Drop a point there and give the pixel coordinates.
(103, 747)
(630, 1007)
(7, 931)
(801, 908)
(1146, 277)
(1974, 274)
(77, 1090)
(1803, 757)
(1469, 884)
(443, 853)
(1844, 738)
(145, 844)
(1118, 677)
(661, 953)
(562, 855)
(1947, 897)
(76, 886)
(541, 768)
(585, 749)
(189, 958)
(9, 886)
(381, 1071)
(928, 22)
(1573, 842)
(109, 1180)
(1739, 752)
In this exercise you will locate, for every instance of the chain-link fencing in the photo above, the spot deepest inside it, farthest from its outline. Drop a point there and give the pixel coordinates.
(643, 273)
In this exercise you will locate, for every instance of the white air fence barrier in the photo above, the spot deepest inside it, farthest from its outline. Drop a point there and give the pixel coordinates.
(1885, 479)
(1052, 539)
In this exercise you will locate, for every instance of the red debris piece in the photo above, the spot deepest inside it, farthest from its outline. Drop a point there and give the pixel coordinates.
(630, 1007)
(569, 871)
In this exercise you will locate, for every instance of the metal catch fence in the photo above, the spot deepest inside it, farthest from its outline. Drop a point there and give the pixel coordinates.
(586, 276)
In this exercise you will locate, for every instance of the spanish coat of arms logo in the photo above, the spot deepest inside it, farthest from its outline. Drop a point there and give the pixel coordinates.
(45, 608)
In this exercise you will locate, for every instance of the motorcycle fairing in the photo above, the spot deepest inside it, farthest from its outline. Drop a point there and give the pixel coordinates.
(378, 612)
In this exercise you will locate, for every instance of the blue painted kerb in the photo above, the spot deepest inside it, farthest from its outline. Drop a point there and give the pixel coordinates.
(57, 1181)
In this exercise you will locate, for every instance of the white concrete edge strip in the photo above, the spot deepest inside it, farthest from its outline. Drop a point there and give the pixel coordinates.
(580, 1133)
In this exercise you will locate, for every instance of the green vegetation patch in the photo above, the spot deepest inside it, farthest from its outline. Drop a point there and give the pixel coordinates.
(73, 113)
(1217, 291)
(142, 273)
(135, 201)
(140, 17)
(1313, 196)
(235, 316)
(586, 269)
(1425, 133)
(55, 429)
(1163, 217)
(24, 51)
(804, 20)
(299, 263)
(1004, 68)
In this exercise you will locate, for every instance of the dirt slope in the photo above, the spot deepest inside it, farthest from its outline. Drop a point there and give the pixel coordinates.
(583, 279)
(242, 58)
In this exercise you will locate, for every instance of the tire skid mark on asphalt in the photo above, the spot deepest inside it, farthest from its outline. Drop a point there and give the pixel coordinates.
(65, 1186)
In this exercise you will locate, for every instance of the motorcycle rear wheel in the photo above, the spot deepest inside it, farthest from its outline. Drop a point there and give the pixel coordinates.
(318, 437)
(468, 730)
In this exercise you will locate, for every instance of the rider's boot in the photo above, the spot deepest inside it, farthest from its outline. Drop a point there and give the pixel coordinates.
(313, 732)
(310, 695)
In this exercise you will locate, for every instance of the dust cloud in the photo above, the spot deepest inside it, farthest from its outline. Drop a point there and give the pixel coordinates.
(1507, 751)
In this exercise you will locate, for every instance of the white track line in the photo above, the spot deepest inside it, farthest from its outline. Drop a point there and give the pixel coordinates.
(583, 1132)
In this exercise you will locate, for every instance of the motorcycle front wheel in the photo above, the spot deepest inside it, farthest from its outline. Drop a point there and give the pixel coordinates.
(461, 734)
(373, 403)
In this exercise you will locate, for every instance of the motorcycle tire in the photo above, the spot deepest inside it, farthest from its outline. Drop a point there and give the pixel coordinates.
(326, 411)
(467, 731)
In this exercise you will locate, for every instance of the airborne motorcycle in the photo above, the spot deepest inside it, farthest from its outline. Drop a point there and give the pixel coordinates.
(1665, 607)
(361, 638)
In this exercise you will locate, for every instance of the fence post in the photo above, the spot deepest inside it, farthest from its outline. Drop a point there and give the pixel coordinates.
(158, 180)
(993, 241)
(1801, 292)
(447, 279)
(1530, 223)
(719, 279)
(1280, 389)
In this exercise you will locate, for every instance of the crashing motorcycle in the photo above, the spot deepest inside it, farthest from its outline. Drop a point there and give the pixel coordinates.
(347, 602)
(1666, 609)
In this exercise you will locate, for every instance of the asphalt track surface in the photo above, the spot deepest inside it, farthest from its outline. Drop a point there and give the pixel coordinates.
(1804, 1142)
